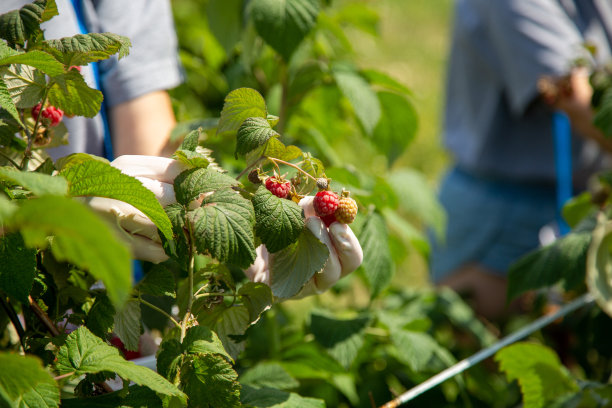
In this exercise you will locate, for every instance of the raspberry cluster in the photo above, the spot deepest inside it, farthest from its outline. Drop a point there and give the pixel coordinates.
(51, 114)
(330, 207)
(278, 186)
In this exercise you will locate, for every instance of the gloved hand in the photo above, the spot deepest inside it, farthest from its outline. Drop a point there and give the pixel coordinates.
(345, 254)
(155, 173)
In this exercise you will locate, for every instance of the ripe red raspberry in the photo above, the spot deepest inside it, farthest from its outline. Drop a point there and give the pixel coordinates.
(347, 210)
(325, 203)
(329, 219)
(51, 113)
(278, 186)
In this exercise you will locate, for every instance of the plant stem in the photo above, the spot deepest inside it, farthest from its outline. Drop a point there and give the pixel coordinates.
(10, 311)
(274, 160)
(61, 377)
(210, 294)
(160, 310)
(190, 283)
(284, 80)
(42, 316)
(13, 162)
(248, 168)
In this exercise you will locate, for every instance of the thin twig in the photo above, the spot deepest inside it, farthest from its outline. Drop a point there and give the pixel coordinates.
(274, 160)
(190, 283)
(160, 310)
(13, 162)
(61, 377)
(42, 316)
(10, 311)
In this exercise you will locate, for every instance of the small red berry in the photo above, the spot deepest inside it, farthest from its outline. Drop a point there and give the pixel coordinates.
(77, 67)
(36, 110)
(278, 186)
(325, 203)
(347, 210)
(53, 114)
(328, 219)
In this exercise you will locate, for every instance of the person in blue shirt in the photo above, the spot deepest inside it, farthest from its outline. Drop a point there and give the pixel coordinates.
(500, 190)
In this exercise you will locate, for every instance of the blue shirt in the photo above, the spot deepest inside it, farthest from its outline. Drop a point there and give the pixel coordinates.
(494, 125)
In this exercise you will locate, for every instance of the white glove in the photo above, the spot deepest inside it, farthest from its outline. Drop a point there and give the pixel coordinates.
(156, 174)
(345, 254)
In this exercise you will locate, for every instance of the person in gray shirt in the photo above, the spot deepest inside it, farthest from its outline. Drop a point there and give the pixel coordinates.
(501, 190)
(139, 111)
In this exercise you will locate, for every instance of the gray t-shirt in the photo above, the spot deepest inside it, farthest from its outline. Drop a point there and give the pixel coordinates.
(494, 124)
(151, 65)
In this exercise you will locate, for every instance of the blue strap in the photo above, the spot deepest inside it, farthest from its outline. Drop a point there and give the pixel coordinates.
(137, 271)
(108, 145)
(562, 135)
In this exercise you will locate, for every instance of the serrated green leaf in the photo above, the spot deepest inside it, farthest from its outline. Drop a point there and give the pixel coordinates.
(257, 297)
(539, 372)
(70, 93)
(169, 359)
(202, 340)
(84, 353)
(101, 317)
(253, 133)
(419, 350)
(273, 398)
(38, 183)
(128, 324)
(223, 228)
(79, 237)
(191, 140)
(210, 382)
(225, 21)
(396, 127)
(35, 58)
(240, 104)
(17, 26)
(229, 323)
(20, 377)
(377, 264)
(268, 374)
(82, 49)
(191, 183)
(312, 166)
(18, 267)
(275, 148)
(98, 179)
(279, 222)
(191, 159)
(292, 267)
(342, 338)
(7, 103)
(25, 84)
(284, 24)
(272, 120)
(363, 99)
(158, 281)
(603, 115)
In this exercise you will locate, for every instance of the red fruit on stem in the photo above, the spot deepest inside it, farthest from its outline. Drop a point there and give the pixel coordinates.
(53, 114)
(325, 203)
(328, 220)
(278, 186)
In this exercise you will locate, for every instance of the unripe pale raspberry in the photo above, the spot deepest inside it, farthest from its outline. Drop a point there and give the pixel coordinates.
(278, 186)
(325, 203)
(346, 211)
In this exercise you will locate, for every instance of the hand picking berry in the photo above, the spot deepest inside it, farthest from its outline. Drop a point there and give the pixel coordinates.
(347, 209)
(278, 186)
(325, 203)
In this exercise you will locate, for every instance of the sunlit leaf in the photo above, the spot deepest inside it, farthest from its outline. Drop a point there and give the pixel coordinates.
(253, 133)
(38, 183)
(191, 183)
(17, 26)
(240, 104)
(70, 93)
(81, 49)
(279, 222)
(25, 383)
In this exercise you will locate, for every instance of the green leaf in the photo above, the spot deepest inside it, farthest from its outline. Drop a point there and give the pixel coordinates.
(225, 21)
(20, 377)
(363, 99)
(85, 353)
(137, 397)
(284, 24)
(564, 259)
(275, 148)
(7, 103)
(169, 359)
(38, 183)
(292, 267)
(380, 79)
(193, 159)
(191, 140)
(396, 127)
(99, 179)
(240, 104)
(35, 58)
(273, 398)
(342, 338)
(257, 297)
(7, 209)
(25, 84)
(101, 317)
(418, 350)
(82, 49)
(253, 133)
(279, 222)
(127, 324)
(191, 183)
(377, 263)
(17, 26)
(223, 228)
(229, 323)
(158, 281)
(539, 372)
(598, 271)
(603, 115)
(578, 208)
(202, 340)
(18, 267)
(210, 382)
(79, 237)
(268, 374)
(70, 93)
